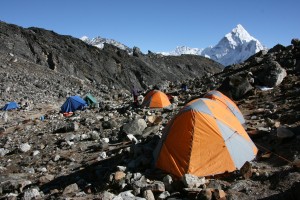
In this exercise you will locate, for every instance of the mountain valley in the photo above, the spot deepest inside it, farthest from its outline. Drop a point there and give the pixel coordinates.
(94, 155)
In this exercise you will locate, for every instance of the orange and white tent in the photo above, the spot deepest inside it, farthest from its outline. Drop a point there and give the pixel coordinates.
(203, 139)
(156, 99)
(227, 102)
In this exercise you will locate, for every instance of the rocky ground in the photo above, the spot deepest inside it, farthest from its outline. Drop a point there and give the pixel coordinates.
(106, 152)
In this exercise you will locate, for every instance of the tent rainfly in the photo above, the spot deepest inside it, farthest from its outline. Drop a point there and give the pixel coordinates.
(72, 104)
(90, 100)
(203, 139)
(227, 102)
(10, 106)
(156, 99)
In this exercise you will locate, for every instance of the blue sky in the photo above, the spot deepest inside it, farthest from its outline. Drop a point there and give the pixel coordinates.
(159, 25)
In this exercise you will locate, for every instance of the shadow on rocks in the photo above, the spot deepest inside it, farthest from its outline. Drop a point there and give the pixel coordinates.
(92, 177)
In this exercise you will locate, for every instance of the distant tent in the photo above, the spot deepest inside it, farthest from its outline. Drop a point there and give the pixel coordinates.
(156, 99)
(72, 104)
(90, 100)
(203, 139)
(227, 102)
(10, 106)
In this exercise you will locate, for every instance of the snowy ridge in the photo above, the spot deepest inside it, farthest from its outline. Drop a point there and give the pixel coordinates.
(99, 42)
(183, 50)
(234, 47)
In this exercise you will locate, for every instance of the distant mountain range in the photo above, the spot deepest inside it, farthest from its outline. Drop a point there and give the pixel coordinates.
(234, 47)
(99, 42)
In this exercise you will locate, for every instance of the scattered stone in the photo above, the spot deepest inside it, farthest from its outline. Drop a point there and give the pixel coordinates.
(35, 153)
(219, 194)
(24, 147)
(95, 135)
(119, 175)
(283, 132)
(135, 127)
(73, 188)
(3, 152)
(156, 186)
(45, 179)
(56, 158)
(246, 170)
(148, 195)
(163, 195)
(192, 181)
(31, 194)
(205, 194)
(107, 195)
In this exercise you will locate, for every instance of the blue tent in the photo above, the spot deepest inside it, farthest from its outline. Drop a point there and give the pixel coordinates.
(10, 106)
(72, 104)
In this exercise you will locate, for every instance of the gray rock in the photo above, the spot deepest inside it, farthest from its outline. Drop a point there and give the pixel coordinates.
(35, 153)
(168, 182)
(150, 130)
(3, 152)
(24, 147)
(192, 181)
(272, 75)
(31, 194)
(235, 87)
(95, 135)
(156, 186)
(163, 195)
(283, 132)
(56, 158)
(2, 129)
(135, 127)
(73, 188)
(45, 179)
(121, 168)
(148, 195)
(126, 195)
(107, 195)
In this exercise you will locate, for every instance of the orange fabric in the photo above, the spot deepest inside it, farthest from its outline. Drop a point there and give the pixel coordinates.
(156, 99)
(223, 100)
(207, 144)
(194, 143)
(68, 114)
(173, 153)
(226, 117)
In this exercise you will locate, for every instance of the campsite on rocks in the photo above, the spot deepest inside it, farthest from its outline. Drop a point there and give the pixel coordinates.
(70, 128)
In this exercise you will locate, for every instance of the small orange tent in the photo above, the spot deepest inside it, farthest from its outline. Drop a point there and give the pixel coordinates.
(156, 99)
(203, 139)
(227, 102)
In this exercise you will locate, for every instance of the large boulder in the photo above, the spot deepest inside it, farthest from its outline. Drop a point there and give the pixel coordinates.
(272, 74)
(235, 87)
(295, 42)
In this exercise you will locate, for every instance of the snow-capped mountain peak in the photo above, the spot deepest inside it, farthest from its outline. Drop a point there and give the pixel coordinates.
(240, 33)
(84, 38)
(234, 47)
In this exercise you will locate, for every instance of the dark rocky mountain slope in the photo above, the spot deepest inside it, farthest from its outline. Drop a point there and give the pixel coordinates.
(111, 66)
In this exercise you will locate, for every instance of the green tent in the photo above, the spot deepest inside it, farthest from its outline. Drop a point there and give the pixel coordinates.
(91, 101)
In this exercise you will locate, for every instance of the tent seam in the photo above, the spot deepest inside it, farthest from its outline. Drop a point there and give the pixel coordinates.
(192, 139)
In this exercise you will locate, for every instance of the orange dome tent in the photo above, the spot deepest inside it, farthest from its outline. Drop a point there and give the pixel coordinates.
(156, 99)
(227, 102)
(203, 139)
